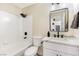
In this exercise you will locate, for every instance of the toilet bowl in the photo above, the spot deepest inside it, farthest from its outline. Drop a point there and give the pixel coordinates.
(32, 51)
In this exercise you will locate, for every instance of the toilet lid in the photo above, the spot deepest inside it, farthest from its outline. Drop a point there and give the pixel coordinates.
(31, 51)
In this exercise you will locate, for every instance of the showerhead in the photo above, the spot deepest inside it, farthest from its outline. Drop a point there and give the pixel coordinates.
(23, 15)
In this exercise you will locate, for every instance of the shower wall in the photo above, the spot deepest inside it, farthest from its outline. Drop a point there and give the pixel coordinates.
(40, 17)
(12, 30)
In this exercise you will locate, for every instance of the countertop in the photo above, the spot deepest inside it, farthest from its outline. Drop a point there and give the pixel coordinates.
(66, 40)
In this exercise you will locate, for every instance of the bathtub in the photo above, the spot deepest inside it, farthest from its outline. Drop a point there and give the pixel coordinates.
(16, 49)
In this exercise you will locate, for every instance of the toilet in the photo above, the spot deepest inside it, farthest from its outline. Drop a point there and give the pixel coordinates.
(32, 51)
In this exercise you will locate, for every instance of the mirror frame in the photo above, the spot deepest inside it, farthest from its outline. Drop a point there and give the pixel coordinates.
(66, 11)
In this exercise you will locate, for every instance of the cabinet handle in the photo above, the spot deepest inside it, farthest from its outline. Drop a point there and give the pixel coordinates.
(60, 55)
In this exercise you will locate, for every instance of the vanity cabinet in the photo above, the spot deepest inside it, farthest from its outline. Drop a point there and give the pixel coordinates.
(53, 47)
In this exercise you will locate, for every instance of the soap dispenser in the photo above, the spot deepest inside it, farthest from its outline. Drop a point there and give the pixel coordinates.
(48, 34)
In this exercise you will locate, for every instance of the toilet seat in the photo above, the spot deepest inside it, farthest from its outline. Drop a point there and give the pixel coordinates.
(31, 51)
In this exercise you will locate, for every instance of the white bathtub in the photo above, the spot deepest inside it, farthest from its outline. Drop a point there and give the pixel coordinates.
(16, 49)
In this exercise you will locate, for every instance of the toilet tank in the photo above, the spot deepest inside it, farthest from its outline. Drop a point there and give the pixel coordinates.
(37, 40)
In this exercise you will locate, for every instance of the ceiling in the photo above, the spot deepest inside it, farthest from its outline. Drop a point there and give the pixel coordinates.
(22, 5)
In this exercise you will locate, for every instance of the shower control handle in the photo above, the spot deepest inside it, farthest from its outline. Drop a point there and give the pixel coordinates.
(25, 35)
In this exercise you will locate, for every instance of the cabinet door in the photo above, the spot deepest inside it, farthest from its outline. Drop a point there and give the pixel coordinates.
(62, 48)
(47, 52)
(65, 54)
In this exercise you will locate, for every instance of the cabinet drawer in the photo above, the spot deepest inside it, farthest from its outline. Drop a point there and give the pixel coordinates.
(53, 46)
(61, 47)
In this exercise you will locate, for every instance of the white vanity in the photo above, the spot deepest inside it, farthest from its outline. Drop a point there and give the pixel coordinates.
(67, 46)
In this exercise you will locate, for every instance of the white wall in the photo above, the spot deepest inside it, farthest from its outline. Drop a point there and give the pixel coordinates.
(72, 12)
(40, 18)
(40, 15)
(9, 8)
(11, 30)
(73, 9)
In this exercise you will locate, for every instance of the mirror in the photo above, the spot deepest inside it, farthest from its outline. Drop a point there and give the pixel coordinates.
(59, 20)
